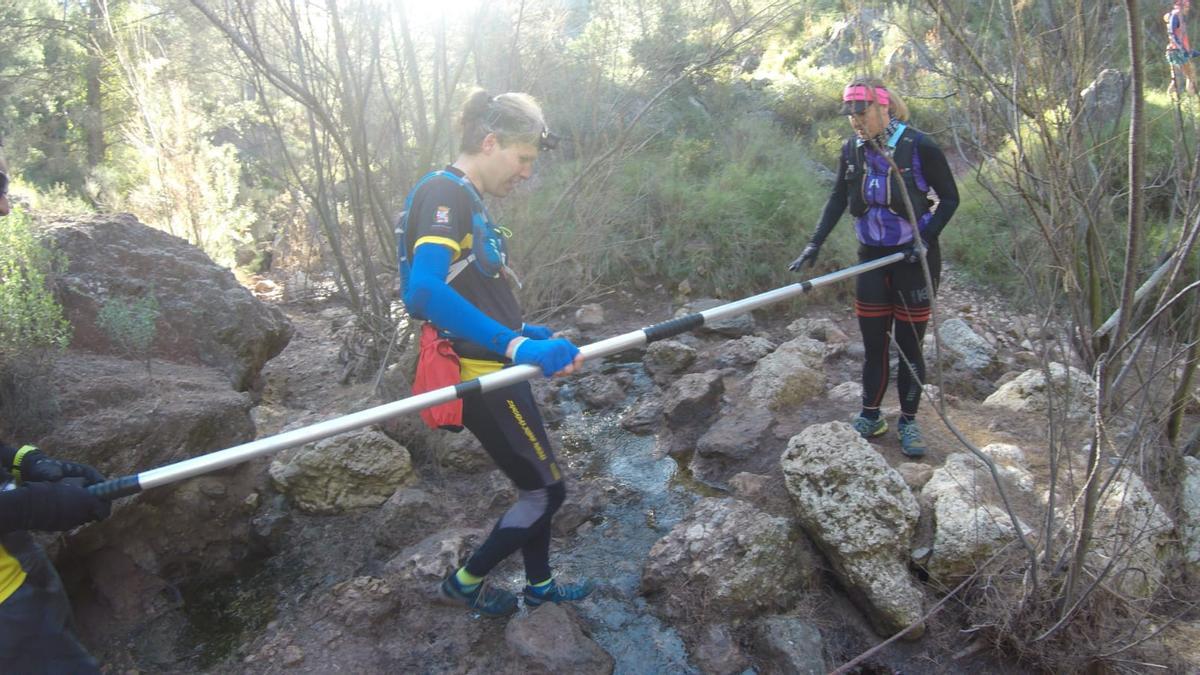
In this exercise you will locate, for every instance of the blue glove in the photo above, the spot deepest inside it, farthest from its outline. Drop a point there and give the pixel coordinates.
(1194, 54)
(550, 355)
(534, 332)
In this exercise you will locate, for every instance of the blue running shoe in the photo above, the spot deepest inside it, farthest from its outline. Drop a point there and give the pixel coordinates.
(556, 592)
(911, 443)
(870, 428)
(481, 597)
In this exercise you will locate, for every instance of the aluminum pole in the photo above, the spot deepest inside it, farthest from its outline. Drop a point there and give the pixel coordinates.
(188, 468)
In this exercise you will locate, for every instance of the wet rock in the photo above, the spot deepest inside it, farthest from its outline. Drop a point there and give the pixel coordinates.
(789, 376)
(689, 405)
(692, 398)
(1029, 392)
(743, 351)
(435, 556)
(718, 652)
(406, 509)
(737, 434)
(583, 503)
(969, 523)
(361, 601)
(1189, 524)
(663, 360)
(717, 557)
(733, 326)
(861, 514)
(752, 486)
(589, 316)
(546, 393)
(550, 640)
(645, 416)
(353, 470)
(793, 645)
(214, 321)
(599, 392)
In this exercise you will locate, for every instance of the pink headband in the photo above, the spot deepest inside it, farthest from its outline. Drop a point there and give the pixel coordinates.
(861, 92)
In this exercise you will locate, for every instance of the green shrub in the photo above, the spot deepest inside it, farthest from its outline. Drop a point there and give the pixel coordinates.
(30, 318)
(131, 324)
(32, 329)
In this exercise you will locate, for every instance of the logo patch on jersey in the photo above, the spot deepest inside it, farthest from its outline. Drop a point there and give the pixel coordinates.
(442, 215)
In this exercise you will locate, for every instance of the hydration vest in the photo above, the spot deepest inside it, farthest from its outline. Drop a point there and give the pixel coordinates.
(487, 241)
(858, 171)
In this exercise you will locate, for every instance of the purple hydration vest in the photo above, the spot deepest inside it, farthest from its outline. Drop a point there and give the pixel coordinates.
(884, 222)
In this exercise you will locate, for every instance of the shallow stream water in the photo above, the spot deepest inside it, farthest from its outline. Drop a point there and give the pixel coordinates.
(652, 499)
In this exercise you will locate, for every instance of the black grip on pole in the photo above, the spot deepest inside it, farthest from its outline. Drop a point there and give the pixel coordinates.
(666, 329)
(116, 488)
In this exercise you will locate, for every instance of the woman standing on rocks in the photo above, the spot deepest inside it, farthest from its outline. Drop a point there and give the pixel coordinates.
(459, 281)
(894, 300)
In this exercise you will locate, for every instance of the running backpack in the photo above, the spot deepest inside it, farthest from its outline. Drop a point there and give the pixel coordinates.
(489, 250)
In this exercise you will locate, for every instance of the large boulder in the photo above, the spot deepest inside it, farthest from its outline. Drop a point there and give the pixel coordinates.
(789, 376)
(550, 640)
(1132, 528)
(969, 522)
(719, 555)
(112, 414)
(861, 514)
(1068, 388)
(206, 316)
(353, 470)
(1103, 101)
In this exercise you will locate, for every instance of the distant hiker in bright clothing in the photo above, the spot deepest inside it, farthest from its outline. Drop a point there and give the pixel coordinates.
(892, 301)
(1179, 50)
(459, 281)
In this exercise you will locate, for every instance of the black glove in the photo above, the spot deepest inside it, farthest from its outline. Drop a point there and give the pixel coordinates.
(808, 255)
(38, 468)
(910, 252)
(57, 507)
(33, 466)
